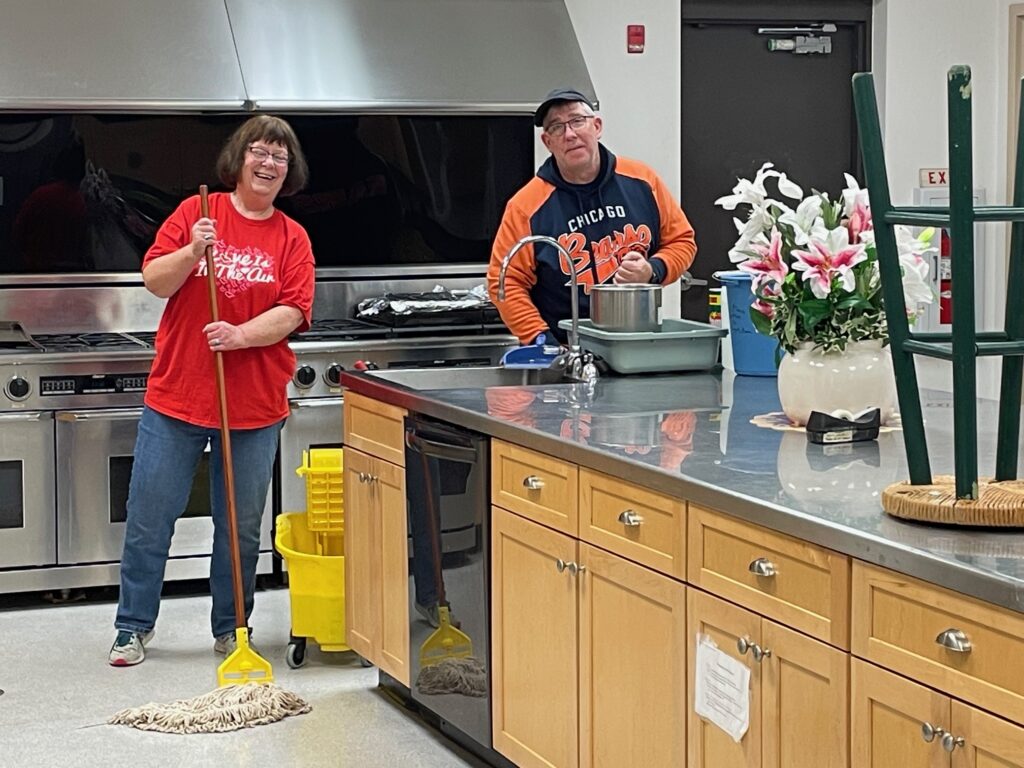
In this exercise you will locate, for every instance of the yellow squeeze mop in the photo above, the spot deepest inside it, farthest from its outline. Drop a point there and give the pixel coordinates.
(247, 695)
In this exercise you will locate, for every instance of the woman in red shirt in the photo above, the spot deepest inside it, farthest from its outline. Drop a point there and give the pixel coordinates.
(264, 276)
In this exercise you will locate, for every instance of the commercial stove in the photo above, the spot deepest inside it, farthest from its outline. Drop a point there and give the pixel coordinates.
(70, 404)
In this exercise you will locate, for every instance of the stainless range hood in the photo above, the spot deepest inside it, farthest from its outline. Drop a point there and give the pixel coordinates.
(429, 56)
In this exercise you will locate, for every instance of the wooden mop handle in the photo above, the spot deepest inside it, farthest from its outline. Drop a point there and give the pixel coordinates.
(225, 432)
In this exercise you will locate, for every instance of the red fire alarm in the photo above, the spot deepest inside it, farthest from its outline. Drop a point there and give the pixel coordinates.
(634, 38)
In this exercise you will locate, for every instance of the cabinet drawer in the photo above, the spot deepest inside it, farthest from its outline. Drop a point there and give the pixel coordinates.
(631, 521)
(801, 585)
(375, 428)
(539, 487)
(901, 623)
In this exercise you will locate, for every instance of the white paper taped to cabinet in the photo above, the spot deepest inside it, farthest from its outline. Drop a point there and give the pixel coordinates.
(722, 689)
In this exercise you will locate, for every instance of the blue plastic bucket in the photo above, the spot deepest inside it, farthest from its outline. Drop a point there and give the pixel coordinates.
(753, 353)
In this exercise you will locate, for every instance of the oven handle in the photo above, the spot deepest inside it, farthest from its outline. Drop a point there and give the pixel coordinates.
(23, 416)
(319, 402)
(457, 453)
(107, 414)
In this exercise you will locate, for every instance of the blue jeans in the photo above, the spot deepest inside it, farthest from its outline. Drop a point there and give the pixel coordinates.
(167, 452)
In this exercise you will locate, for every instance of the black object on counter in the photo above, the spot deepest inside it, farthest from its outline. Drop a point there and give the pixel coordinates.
(825, 429)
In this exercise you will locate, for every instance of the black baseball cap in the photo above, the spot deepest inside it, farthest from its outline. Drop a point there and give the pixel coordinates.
(557, 96)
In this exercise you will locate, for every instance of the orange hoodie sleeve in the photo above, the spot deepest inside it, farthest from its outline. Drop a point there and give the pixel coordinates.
(517, 310)
(678, 244)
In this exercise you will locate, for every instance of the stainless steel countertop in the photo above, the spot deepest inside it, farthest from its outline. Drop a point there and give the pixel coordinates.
(691, 436)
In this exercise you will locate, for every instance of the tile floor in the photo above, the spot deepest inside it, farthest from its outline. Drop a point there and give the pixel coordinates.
(58, 690)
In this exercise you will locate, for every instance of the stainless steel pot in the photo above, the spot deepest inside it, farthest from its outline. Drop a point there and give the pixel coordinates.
(626, 307)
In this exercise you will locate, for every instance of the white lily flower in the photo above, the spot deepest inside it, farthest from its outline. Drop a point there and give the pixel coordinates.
(747, 192)
(806, 221)
(789, 189)
(852, 194)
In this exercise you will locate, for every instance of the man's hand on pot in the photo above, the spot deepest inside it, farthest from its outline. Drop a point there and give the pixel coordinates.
(634, 268)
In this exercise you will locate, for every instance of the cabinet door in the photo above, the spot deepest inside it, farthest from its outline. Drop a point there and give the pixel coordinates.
(533, 643)
(708, 745)
(887, 716)
(632, 665)
(389, 497)
(989, 742)
(362, 559)
(805, 700)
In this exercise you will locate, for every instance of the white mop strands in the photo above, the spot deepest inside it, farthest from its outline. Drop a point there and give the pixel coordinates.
(228, 708)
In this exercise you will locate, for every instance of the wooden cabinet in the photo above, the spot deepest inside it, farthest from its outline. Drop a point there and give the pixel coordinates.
(941, 638)
(646, 527)
(897, 723)
(799, 693)
(588, 653)
(801, 585)
(538, 487)
(375, 428)
(376, 563)
(534, 641)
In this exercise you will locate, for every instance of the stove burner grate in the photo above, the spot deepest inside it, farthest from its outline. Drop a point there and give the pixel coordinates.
(85, 342)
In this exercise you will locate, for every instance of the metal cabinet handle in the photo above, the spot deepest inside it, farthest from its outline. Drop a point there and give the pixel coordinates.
(951, 742)
(760, 653)
(533, 483)
(362, 477)
(630, 519)
(576, 568)
(929, 732)
(955, 640)
(743, 645)
(762, 567)
(560, 564)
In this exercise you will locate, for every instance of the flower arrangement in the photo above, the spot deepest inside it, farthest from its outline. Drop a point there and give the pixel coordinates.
(814, 268)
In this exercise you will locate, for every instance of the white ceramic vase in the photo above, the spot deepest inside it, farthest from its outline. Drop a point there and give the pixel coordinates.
(858, 378)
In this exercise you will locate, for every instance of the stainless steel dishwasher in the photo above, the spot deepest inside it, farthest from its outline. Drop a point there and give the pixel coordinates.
(448, 491)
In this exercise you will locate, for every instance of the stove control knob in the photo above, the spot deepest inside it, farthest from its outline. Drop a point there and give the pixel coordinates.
(365, 365)
(305, 377)
(333, 374)
(17, 388)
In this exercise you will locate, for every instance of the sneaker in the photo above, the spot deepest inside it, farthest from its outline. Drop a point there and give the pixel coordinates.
(129, 648)
(225, 644)
(429, 614)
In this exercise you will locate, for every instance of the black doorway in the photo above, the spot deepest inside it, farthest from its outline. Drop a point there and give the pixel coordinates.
(743, 105)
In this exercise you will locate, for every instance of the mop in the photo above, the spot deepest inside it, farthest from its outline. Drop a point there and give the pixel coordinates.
(247, 695)
(447, 664)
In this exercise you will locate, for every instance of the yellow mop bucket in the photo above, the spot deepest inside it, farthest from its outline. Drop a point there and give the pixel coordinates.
(316, 580)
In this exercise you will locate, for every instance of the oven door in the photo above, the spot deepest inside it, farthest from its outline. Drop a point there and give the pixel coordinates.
(95, 450)
(27, 527)
(313, 423)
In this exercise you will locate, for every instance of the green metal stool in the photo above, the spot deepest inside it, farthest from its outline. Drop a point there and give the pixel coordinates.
(965, 344)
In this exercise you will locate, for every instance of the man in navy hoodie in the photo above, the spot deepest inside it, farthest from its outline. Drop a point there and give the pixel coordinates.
(614, 216)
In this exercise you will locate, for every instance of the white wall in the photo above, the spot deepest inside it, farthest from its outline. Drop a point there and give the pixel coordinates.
(638, 92)
(916, 41)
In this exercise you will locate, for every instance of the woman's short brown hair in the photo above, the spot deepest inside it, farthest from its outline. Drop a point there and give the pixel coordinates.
(272, 130)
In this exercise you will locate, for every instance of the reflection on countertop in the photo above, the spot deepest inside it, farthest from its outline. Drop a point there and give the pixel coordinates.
(691, 435)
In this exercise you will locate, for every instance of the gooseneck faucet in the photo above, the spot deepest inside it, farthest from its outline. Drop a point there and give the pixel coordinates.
(578, 364)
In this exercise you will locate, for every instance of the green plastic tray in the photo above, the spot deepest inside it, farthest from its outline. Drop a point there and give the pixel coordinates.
(680, 345)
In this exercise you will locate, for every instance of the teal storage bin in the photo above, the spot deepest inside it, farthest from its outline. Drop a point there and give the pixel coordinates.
(753, 353)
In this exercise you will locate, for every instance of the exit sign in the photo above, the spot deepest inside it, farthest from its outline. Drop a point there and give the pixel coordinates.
(933, 177)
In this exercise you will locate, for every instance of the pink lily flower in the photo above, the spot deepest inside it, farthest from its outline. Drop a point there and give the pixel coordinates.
(859, 221)
(826, 260)
(762, 306)
(771, 267)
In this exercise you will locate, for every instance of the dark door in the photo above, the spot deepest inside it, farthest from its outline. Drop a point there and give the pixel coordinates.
(743, 104)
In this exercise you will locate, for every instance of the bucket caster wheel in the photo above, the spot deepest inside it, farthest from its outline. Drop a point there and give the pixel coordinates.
(365, 663)
(295, 655)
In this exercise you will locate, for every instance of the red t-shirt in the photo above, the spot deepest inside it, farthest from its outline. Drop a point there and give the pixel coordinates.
(259, 264)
